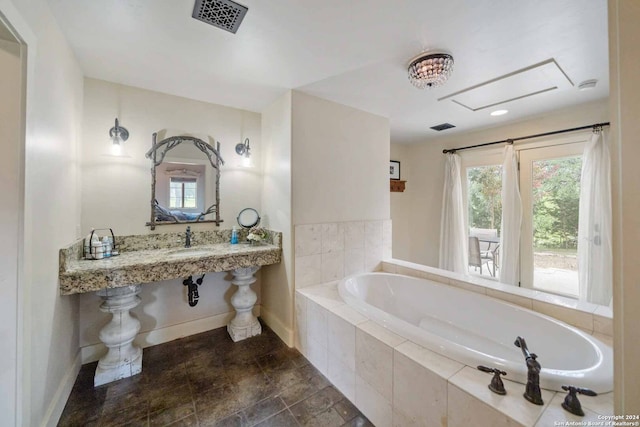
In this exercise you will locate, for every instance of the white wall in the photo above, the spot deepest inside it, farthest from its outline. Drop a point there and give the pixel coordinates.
(340, 159)
(116, 193)
(421, 205)
(51, 211)
(11, 188)
(401, 202)
(277, 294)
(143, 112)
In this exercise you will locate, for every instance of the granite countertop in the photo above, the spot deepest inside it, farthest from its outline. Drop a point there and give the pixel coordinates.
(144, 265)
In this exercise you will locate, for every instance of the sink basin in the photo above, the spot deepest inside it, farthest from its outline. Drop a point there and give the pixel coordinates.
(188, 252)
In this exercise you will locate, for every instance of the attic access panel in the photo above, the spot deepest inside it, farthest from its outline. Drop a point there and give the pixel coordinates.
(543, 77)
(224, 14)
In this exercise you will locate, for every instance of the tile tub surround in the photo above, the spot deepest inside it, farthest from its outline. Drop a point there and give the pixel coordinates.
(331, 251)
(399, 383)
(591, 318)
(148, 258)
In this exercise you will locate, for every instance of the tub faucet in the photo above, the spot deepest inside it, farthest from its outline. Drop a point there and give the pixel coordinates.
(532, 390)
(187, 238)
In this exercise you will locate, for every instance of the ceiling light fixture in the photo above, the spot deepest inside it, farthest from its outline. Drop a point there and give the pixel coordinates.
(499, 112)
(430, 69)
(118, 135)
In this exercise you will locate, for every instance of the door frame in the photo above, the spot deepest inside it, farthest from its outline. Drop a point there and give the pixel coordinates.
(13, 22)
(567, 148)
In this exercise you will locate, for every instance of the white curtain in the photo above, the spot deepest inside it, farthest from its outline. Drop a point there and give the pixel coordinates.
(453, 233)
(511, 219)
(594, 228)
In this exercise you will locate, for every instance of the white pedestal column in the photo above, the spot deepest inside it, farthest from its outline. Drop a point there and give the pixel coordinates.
(123, 358)
(245, 324)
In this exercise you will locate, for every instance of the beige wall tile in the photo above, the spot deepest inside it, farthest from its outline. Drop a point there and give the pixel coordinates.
(513, 299)
(383, 334)
(341, 338)
(389, 267)
(573, 317)
(332, 237)
(372, 404)
(374, 363)
(300, 338)
(316, 323)
(469, 411)
(332, 266)
(342, 377)
(373, 258)
(440, 365)
(474, 383)
(349, 314)
(308, 240)
(372, 234)
(308, 270)
(418, 393)
(354, 235)
(467, 286)
(353, 261)
(317, 355)
(603, 325)
(557, 415)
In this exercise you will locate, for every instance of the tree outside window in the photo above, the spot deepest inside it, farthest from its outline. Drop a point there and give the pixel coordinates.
(485, 201)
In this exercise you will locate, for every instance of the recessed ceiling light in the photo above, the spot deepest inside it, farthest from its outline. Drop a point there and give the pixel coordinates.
(499, 112)
(588, 84)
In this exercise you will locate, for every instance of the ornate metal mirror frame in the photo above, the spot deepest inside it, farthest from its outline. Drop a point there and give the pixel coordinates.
(157, 154)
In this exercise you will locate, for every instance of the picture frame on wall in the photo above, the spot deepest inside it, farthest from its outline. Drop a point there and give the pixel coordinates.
(394, 169)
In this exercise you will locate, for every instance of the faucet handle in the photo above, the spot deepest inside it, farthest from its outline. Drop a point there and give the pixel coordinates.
(571, 402)
(496, 385)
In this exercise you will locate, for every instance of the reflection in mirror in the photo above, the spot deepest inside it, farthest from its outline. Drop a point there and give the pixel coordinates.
(185, 180)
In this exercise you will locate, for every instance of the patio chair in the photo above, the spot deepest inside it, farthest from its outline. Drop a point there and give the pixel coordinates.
(478, 258)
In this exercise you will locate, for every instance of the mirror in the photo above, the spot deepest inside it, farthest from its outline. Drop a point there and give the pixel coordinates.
(248, 218)
(185, 180)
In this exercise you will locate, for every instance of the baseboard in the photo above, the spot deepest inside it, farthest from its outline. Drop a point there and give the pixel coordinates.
(54, 411)
(93, 352)
(285, 333)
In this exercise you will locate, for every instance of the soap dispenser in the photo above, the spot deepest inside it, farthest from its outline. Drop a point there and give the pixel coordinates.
(234, 235)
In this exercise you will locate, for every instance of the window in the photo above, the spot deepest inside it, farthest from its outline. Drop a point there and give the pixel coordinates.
(484, 214)
(183, 193)
(550, 190)
(181, 187)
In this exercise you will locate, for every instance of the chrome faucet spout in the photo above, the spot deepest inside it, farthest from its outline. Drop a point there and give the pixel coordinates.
(187, 240)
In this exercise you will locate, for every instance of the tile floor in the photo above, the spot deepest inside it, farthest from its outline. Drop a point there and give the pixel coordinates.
(208, 380)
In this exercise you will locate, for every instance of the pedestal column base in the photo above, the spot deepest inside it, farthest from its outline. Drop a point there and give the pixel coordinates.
(244, 325)
(123, 359)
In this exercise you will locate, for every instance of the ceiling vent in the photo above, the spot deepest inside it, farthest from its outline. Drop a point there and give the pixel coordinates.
(443, 126)
(223, 14)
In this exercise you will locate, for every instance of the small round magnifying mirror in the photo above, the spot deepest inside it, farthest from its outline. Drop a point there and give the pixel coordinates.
(248, 217)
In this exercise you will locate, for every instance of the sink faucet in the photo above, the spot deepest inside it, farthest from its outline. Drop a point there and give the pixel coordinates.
(187, 239)
(532, 390)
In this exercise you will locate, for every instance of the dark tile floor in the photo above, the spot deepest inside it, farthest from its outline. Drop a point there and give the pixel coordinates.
(208, 380)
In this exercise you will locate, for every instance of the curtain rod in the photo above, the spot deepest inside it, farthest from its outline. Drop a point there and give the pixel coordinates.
(512, 140)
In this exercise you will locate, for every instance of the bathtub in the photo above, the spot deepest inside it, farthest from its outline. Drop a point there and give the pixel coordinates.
(478, 330)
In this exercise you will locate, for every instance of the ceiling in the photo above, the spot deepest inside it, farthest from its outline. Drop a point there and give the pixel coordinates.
(354, 52)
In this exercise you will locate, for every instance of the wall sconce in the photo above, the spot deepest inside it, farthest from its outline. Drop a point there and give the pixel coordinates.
(118, 135)
(243, 149)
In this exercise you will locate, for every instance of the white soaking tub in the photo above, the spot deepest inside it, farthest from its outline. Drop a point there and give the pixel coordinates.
(478, 330)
